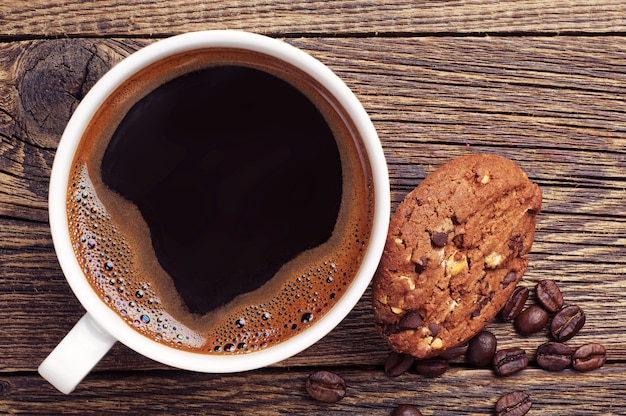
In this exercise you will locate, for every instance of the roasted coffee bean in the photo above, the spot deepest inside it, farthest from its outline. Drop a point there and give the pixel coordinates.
(589, 357)
(509, 361)
(406, 410)
(481, 349)
(398, 363)
(549, 295)
(455, 352)
(516, 403)
(532, 319)
(326, 386)
(554, 356)
(567, 322)
(515, 303)
(411, 320)
(433, 367)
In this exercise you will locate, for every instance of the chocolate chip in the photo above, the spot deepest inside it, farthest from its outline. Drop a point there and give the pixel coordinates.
(422, 265)
(439, 239)
(411, 320)
(513, 241)
(509, 278)
(434, 328)
(516, 244)
(476, 312)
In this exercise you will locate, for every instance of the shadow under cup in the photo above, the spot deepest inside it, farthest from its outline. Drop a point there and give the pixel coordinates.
(116, 217)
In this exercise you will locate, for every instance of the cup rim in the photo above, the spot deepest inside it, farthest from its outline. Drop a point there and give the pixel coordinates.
(108, 319)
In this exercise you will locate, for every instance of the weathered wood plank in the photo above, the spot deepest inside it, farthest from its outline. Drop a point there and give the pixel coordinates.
(137, 18)
(554, 105)
(589, 243)
(461, 391)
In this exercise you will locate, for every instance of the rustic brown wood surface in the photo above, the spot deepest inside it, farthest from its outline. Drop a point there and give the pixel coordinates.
(543, 83)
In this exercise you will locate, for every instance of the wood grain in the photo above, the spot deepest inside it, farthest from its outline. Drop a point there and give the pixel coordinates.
(458, 392)
(555, 105)
(51, 18)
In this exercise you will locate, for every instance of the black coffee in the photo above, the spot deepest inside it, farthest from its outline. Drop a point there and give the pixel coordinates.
(221, 208)
(232, 185)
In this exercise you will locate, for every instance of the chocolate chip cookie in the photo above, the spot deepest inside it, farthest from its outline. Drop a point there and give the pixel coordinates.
(455, 251)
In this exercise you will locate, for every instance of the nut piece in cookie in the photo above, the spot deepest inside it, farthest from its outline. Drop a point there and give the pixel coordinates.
(456, 249)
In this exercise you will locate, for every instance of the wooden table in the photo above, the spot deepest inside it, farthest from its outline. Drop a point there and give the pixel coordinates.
(543, 83)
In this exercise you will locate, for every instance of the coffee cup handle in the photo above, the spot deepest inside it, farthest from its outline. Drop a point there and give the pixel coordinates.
(74, 357)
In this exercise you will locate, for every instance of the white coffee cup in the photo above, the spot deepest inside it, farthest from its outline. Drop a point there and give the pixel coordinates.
(97, 331)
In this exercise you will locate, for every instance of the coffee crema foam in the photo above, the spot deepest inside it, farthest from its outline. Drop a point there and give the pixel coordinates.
(302, 291)
(109, 261)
